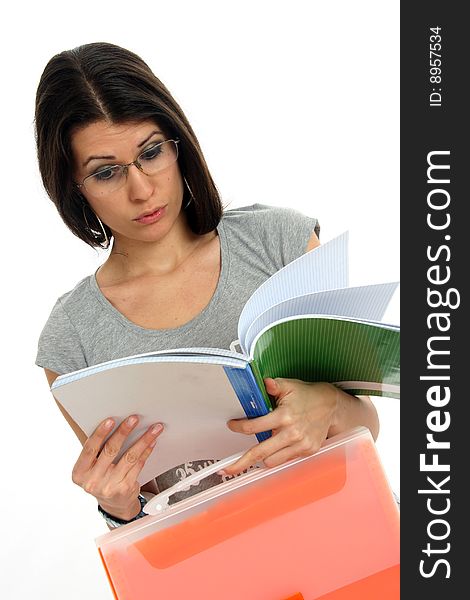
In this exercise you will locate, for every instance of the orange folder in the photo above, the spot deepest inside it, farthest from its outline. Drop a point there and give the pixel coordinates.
(324, 527)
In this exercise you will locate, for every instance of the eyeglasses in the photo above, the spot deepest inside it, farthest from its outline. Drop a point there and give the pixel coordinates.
(111, 178)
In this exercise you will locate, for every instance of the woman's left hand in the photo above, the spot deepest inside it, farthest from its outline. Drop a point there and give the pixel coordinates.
(300, 423)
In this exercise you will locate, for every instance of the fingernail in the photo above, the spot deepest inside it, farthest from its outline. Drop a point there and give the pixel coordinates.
(156, 429)
(221, 472)
(108, 423)
(131, 421)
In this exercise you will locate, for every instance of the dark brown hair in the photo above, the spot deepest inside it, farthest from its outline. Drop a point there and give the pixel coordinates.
(104, 81)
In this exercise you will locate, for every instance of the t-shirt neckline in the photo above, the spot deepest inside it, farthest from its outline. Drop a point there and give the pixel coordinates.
(206, 311)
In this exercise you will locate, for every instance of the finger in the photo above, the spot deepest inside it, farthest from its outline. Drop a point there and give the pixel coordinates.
(288, 453)
(134, 472)
(91, 449)
(114, 443)
(257, 454)
(278, 452)
(131, 457)
(272, 387)
(280, 387)
(274, 419)
(115, 483)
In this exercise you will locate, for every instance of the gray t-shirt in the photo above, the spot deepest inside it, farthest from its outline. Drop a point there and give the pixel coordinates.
(85, 329)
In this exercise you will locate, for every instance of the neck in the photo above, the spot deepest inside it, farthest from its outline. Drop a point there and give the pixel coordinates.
(133, 258)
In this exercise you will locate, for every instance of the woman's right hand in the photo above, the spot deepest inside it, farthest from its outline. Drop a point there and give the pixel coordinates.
(115, 486)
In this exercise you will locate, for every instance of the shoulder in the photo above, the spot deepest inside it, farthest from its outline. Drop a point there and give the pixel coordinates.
(264, 216)
(60, 347)
(269, 220)
(73, 305)
(282, 234)
(74, 299)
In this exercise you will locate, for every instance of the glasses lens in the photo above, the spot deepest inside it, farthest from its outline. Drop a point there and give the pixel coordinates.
(106, 181)
(157, 157)
(153, 159)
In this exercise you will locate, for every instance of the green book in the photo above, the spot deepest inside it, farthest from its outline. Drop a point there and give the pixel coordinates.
(360, 357)
(305, 322)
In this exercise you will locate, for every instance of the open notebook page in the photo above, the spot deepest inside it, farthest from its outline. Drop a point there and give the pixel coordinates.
(323, 268)
(367, 302)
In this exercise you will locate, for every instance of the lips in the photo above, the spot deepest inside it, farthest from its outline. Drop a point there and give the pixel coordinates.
(150, 216)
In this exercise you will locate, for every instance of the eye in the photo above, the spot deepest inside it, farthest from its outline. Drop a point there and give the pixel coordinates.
(152, 152)
(106, 174)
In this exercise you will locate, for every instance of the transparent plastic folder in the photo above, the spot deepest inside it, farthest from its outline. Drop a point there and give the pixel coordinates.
(323, 527)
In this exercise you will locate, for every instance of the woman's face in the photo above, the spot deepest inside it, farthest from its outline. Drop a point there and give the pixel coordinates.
(145, 207)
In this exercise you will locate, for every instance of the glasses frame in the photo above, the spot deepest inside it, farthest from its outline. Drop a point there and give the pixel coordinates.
(125, 168)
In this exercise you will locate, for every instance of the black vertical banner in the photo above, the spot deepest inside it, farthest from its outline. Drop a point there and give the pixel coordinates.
(435, 438)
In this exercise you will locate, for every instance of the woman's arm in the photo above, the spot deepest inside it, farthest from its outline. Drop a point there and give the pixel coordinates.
(313, 242)
(51, 377)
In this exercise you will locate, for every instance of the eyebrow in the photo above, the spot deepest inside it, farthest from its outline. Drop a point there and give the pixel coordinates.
(111, 157)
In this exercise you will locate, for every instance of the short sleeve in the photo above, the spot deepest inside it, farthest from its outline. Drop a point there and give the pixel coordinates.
(59, 346)
(285, 232)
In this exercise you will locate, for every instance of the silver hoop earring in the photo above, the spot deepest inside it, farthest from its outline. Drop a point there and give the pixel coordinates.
(191, 195)
(104, 243)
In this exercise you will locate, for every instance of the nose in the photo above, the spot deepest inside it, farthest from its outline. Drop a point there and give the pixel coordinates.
(140, 186)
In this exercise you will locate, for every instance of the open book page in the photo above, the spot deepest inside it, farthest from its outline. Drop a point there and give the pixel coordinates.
(359, 356)
(212, 355)
(194, 400)
(323, 268)
(220, 353)
(200, 355)
(367, 302)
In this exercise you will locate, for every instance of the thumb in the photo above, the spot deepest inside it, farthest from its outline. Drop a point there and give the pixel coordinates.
(273, 386)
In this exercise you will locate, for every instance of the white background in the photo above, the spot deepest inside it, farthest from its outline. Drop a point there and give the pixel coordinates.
(294, 103)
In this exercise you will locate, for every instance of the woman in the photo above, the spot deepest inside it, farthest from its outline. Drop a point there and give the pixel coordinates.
(124, 168)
